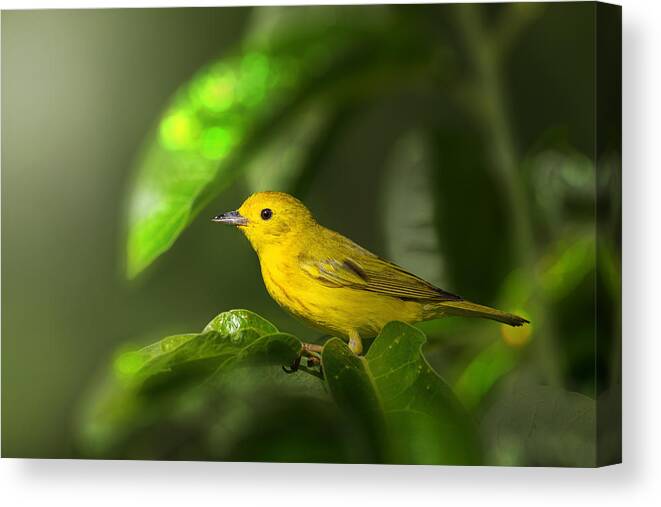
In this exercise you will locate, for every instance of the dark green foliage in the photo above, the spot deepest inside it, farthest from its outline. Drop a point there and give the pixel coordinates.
(222, 394)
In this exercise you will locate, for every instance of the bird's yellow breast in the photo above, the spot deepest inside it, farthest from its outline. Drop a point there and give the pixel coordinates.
(337, 310)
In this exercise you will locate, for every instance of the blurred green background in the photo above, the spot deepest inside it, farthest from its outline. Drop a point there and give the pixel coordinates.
(456, 141)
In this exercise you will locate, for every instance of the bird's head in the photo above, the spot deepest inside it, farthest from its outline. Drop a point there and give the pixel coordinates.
(269, 217)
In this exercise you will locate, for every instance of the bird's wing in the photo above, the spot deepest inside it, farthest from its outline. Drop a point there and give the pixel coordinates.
(373, 274)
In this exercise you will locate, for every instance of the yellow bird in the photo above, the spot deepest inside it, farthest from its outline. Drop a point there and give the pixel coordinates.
(334, 284)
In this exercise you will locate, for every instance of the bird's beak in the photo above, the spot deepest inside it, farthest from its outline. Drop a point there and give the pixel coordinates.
(231, 218)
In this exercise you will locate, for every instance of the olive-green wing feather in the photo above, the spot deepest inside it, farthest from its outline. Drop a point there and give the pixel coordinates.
(371, 273)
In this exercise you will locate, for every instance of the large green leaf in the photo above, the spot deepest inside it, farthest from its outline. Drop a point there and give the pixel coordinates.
(230, 338)
(152, 382)
(424, 422)
(352, 388)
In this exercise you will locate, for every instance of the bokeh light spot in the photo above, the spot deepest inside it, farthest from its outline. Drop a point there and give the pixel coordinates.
(216, 91)
(128, 364)
(255, 70)
(179, 131)
(217, 143)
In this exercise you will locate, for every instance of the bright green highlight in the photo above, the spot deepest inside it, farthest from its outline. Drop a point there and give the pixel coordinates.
(179, 131)
(216, 90)
(128, 363)
(217, 143)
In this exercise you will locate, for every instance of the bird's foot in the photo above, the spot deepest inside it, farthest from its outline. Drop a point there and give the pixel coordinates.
(294, 367)
(312, 353)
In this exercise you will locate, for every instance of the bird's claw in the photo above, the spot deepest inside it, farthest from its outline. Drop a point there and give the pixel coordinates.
(294, 366)
(311, 352)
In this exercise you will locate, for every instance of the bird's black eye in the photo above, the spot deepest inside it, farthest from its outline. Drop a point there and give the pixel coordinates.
(266, 214)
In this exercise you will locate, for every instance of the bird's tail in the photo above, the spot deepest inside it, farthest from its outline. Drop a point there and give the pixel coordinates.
(463, 308)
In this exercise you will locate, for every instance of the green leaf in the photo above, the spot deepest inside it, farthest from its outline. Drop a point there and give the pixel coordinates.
(231, 338)
(199, 140)
(212, 352)
(234, 333)
(409, 218)
(267, 415)
(233, 321)
(152, 382)
(210, 124)
(532, 424)
(430, 424)
(424, 422)
(127, 364)
(352, 388)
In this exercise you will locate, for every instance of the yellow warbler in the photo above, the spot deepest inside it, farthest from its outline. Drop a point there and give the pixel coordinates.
(333, 283)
